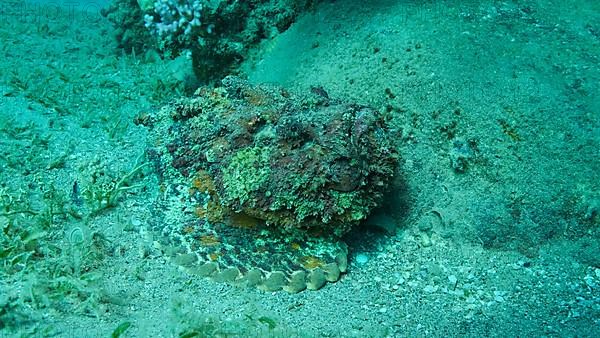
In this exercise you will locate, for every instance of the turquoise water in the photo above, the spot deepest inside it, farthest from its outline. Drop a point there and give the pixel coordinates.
(490, 225)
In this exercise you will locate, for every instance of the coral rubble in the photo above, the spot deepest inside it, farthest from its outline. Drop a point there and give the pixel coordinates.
(216, 34)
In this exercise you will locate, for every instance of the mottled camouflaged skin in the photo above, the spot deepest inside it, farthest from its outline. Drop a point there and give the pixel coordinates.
(308, 169)
(254, 256)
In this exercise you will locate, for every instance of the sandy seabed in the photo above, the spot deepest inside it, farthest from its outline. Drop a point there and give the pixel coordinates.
(492, 227)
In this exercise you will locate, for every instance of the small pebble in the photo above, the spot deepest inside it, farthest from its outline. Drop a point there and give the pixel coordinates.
(362, 259)
(425, 241)
(135, 222)
(452, 279)
(430, 289)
